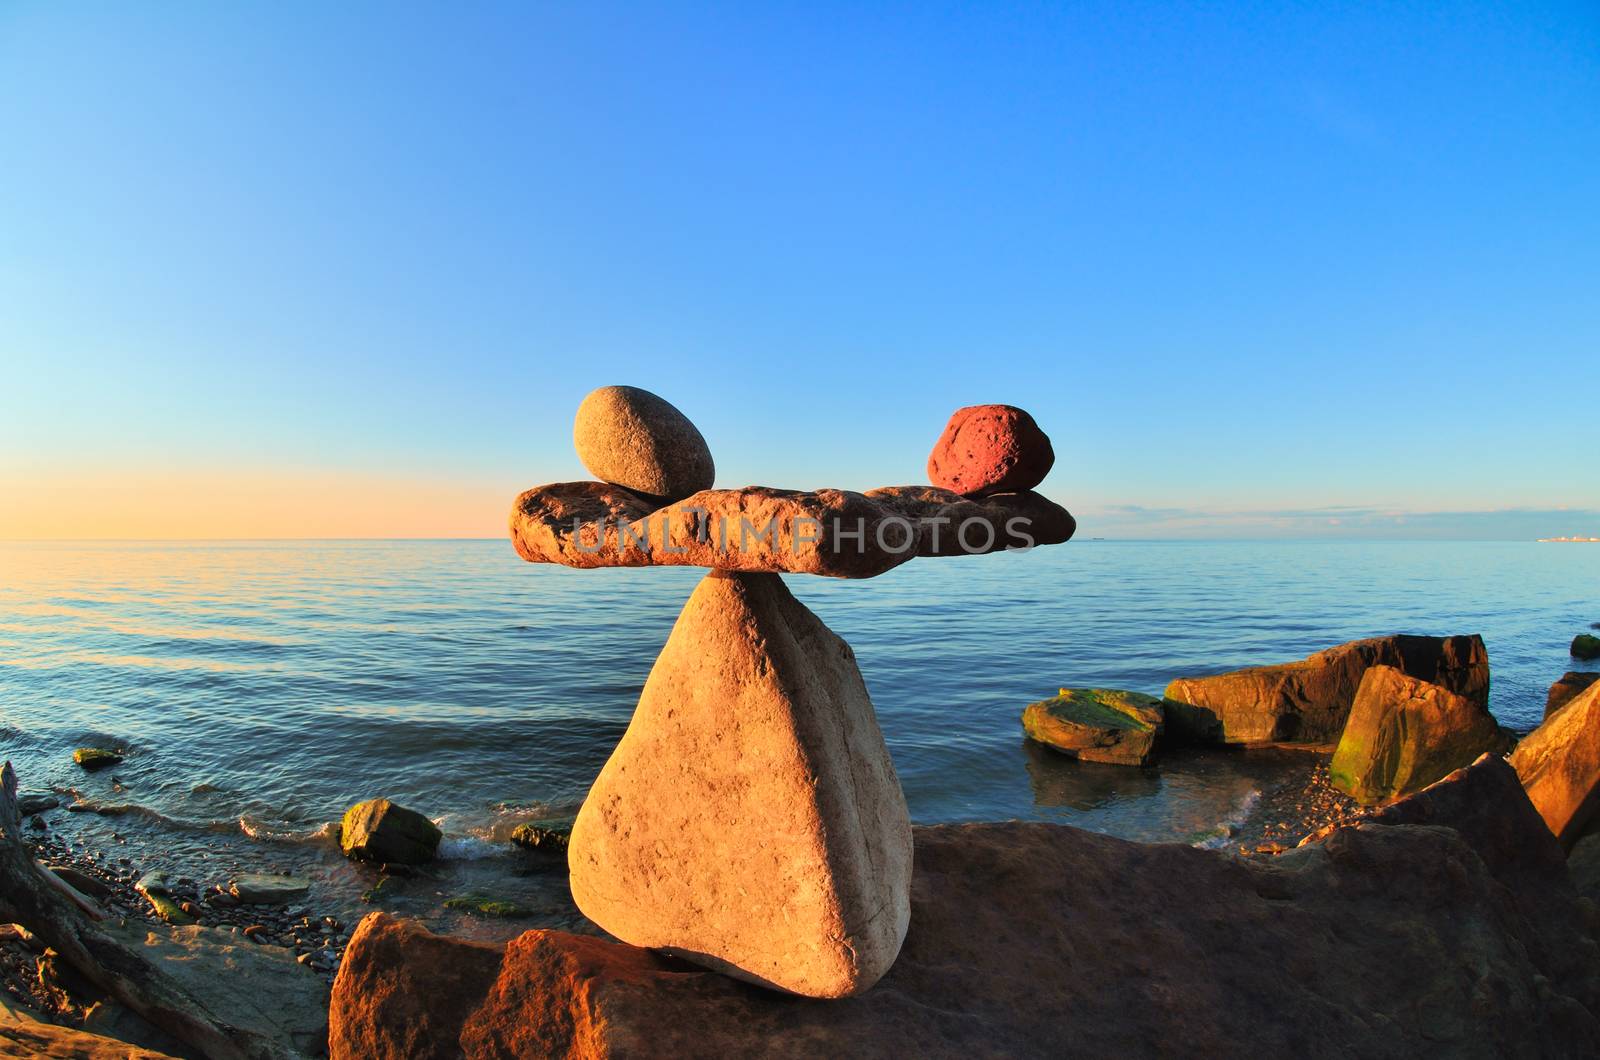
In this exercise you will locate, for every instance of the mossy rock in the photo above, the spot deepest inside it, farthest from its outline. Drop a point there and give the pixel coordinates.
(385, 832)
(1097, 724)
(484, 905)
(93, 758)
(547, 836)
(1405, 734)
(386, 887)
(1586, 646)
(167, 908)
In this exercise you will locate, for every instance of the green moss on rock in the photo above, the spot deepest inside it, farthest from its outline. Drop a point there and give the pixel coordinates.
(1404, 734)
(548, 836)
(92, 758)
(167, 908)
(384, 888)
(1586, 646)
(485, 905)
(1097, 724)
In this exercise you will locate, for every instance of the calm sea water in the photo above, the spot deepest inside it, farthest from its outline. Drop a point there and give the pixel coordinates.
(260, 688)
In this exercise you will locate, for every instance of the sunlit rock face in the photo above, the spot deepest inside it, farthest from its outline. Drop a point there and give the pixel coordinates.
(990, 449)
(1309, 701)
(1566, 688)
(834, 533)
(1461, 937)
(1097, 725)
(1404, 734)
(1559, 763)
(750, 819)
(632, 438)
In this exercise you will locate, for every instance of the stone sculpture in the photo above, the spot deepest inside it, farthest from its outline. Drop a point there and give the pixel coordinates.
(750, 819)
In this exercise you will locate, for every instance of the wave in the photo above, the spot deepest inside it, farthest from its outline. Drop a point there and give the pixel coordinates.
(144, 813)
(1225, 829)
(251, 828)
(491, 841)
(470, 848)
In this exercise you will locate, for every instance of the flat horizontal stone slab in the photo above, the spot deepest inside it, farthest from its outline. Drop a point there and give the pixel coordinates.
(1041, 940)
(835, 533)
(260, 889)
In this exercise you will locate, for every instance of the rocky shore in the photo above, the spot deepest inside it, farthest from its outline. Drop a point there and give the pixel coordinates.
(316, 939)
(751, 883)
(1448, 929)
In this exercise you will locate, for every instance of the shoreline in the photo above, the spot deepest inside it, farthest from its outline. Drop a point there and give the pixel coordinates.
(317, 927)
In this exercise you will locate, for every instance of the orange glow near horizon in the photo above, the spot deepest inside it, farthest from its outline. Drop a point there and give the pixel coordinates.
(254, 503)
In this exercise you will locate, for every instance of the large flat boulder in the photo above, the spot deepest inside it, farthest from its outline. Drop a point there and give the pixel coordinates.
(1097, 725)
(1404, 733)
(1559, 763)
(1040, 940)
(265, 889)
(34, 1040)
(260, 987)
(1486, 805)
(750, 818)
(1309, 701)
(829, 532)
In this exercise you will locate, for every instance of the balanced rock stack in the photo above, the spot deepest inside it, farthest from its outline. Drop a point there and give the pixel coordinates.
(750, 819)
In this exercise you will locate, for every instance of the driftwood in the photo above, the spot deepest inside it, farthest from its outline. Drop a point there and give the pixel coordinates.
(32, 896)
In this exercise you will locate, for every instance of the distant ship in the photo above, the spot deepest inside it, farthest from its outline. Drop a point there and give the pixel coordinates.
(1589, 540)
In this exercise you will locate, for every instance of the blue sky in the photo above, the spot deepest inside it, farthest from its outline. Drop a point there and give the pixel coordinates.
(1279, 269)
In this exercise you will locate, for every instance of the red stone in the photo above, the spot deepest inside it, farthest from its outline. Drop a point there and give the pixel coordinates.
(990, 449)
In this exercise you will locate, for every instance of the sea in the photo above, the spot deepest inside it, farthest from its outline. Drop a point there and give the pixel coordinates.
(258, 688)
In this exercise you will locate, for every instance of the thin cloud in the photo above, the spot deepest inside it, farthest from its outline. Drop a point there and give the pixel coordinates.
(1338, 521)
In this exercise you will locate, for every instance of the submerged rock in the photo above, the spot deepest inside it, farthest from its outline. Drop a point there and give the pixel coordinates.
(1097, 724)
(548, 836)
(1404, 734)
(634, 439)
(1309, 701)
(262, 889)
(487, 905)
(1586, 646)
(383, 831)
(990, 449)
(386, 887)
(1564, 690)
(750, 818)
(28, 805)
(1033, 939)
(1559, 763)
(93, 758)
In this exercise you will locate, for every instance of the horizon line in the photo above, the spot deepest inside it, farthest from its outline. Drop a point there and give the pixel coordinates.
(1340, 538)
